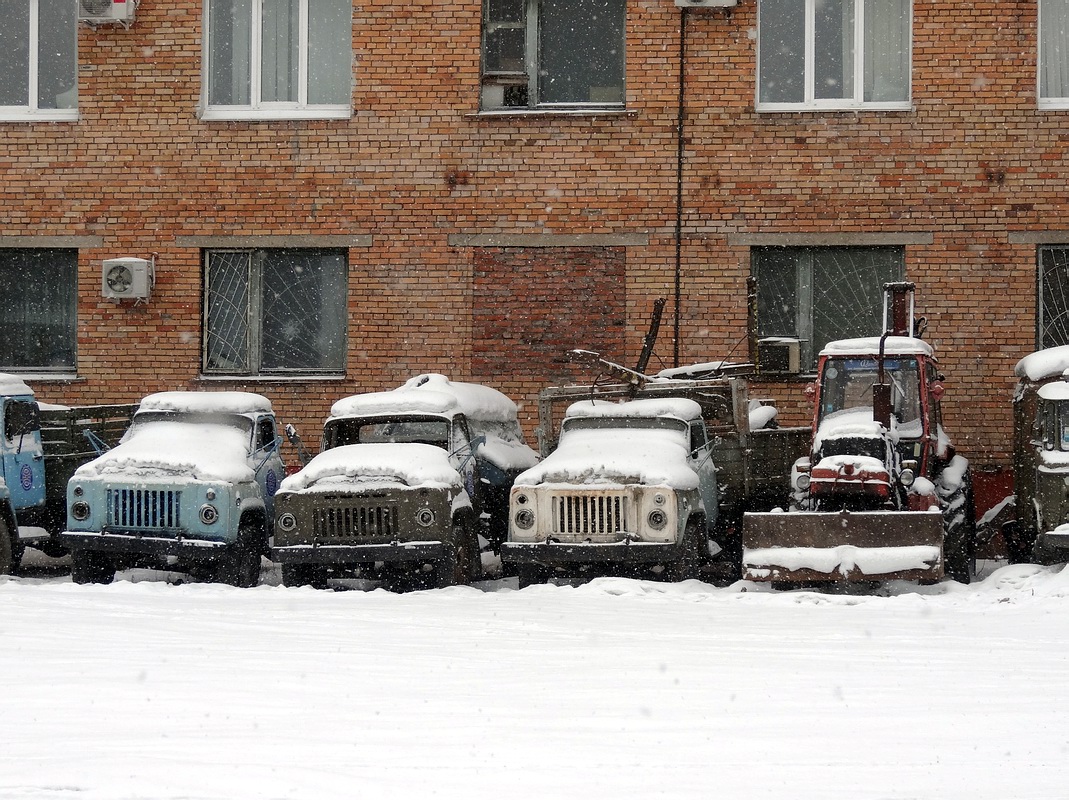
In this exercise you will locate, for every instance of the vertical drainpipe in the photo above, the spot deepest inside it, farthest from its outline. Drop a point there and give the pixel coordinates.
(680, 122)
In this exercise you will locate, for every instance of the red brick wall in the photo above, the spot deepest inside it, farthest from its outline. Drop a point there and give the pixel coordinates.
(972, 163)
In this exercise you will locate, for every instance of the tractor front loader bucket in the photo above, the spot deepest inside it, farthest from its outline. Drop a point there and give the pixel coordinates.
(842, 546)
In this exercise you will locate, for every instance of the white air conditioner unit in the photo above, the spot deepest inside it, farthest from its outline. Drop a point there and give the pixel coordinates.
(103, 12)
(127, 278)
(706, 3)
(778, 355)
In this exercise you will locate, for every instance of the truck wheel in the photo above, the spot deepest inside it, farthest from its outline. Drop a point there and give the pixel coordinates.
(240, 565)
(1018, 544)
(303, 575)
(88, 566)
(692, 552)
(8, 539)
(458, 566)
(531, 574)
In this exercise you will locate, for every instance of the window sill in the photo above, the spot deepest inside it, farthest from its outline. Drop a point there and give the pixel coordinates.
(269, 378)
(553, 112)
(11, 115)
(776, 108)
(47, 377)
(249, 114)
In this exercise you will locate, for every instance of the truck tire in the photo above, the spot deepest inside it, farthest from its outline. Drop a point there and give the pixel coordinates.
(239, 566)
(692, 553)
(9, 536)
(461, 562)
(959, 532)
(88, 566)
(303, 575)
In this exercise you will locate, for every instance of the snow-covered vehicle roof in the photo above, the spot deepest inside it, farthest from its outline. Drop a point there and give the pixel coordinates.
(1044, 364)
(409, 464)
(431, 393)
(203, 451)
(13, 386)
(870, 346)
(207, 403)
(678, 407)
(1058, 390)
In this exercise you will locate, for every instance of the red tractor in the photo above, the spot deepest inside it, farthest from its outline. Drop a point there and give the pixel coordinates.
(882, 494)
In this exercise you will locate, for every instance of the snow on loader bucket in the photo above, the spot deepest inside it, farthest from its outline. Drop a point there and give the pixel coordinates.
(842, 546)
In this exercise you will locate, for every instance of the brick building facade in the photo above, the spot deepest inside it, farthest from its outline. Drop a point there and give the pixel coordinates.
(482, 232)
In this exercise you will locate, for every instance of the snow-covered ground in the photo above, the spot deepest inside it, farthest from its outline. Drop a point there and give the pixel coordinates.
(615, 689)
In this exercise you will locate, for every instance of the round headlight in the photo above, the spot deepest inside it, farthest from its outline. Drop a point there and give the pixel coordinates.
(802, 481)
(906, 478)
(657, 519)
(425, 517)
(287, 522)
(80, 510)
(209, 514)
(524, 519)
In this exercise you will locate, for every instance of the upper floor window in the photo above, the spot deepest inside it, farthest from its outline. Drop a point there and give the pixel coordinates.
(38, 60)
(37, 314)
(275, 312)
(821, 294)
(1054, 54)
(1053, 312)
(278, 59)
(833, 54)
(557, 54)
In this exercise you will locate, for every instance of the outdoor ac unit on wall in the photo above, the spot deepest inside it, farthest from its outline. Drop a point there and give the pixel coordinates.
(127, 278)
(706, 3)
(102, 12)
(778, 356)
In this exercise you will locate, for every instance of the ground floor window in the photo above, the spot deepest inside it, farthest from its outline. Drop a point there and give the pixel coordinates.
(275, 312)
(819, 294)
(38, 308)
(1053, 311)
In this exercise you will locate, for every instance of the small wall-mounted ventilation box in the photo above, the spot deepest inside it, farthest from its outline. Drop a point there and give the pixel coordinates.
(706, 3)
(778, 355)
(127, 279)
(103, 12)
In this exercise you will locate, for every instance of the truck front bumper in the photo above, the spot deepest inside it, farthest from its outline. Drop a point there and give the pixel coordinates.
(328, 554)
(142, 544)
(551, 554)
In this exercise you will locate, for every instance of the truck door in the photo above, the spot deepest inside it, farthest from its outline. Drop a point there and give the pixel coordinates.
(701, 453)
(268, 462)
(22, 453)
(462, 454)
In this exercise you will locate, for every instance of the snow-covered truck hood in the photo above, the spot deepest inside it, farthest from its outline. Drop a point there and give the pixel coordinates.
(406, 464)
(616, 456)
(852, 423)
(175, 450)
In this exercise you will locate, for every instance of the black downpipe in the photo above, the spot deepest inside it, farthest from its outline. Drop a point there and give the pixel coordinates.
(680, 121)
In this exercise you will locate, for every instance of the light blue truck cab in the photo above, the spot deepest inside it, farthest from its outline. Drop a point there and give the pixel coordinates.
(189, 488)
(22, 464)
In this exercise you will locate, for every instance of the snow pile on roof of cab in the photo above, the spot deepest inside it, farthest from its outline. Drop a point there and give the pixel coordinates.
(207, 403)
(1043, 364)
(431, 393)
(678, 407)
(870, 346)
(411, 464)
(13, 386)
(176, 450)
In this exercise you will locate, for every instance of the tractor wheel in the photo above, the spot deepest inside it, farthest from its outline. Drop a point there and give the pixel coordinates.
(88, 566)
(959, 531)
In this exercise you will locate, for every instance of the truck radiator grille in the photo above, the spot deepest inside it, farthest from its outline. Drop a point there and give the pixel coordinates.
(591, 514)
(144, 508)
(358, 521)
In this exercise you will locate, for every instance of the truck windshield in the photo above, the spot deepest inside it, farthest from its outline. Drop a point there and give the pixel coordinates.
(848, 382)
(143, 419)
(378, 430)
(624, 423)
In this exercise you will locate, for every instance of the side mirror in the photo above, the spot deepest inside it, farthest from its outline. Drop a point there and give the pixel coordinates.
(811, 392)
(938, 391)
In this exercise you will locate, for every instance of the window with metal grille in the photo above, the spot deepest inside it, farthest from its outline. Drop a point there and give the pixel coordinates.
(1053, 312)
(38, 60)
(820, 294)
(38, 310)
(275, 311)
(553, 53)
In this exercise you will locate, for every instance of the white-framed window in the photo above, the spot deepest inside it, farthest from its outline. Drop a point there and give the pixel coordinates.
(275, 312)
(821, 294)
(38, 313)
(833, 54)
(278, 59)
(38, 60)
(1053, 75)
(553, 54)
